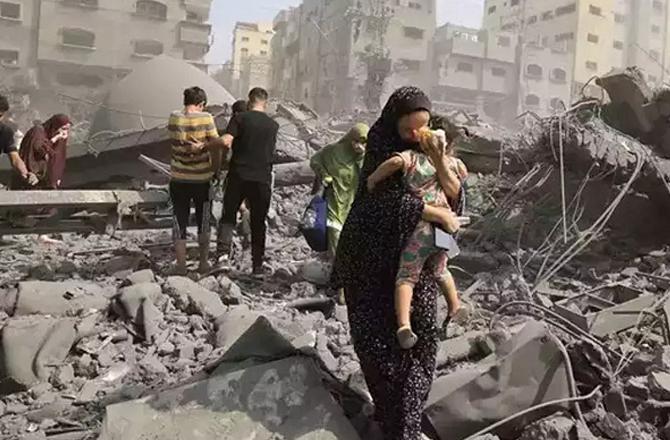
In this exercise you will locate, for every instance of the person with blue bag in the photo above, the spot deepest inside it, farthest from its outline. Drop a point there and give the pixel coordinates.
(337, 168)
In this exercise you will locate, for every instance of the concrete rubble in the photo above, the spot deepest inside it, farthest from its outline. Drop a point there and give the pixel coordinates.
(569, 338)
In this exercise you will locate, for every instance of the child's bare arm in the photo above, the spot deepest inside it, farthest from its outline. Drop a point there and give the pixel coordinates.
(384, 171)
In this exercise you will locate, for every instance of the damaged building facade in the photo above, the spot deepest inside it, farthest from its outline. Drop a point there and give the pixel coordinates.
(321, 52)
(76, 48)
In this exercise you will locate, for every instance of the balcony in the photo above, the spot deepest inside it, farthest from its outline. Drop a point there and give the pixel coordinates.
(86, 4)
(195, 33)
(465, 47)
(200, 8)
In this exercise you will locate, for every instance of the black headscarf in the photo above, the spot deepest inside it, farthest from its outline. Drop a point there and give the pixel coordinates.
(384, 139)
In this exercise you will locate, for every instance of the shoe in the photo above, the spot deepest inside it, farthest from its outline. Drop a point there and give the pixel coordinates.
(406, 337)
(461, 315)
(258, 272)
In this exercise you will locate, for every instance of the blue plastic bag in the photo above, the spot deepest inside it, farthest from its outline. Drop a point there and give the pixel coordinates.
(313, 224)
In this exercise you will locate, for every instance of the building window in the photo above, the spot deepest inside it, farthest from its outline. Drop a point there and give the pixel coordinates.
(564, 37)
(9, 57)
(499, 72)
(591, 65)
(534, 71)
(244, 51)
(264, 52)
(78, 38)
(504, 41)
(464, 67)
(556, 104)
(655, 29)
(415, 5)
(654, 55)
(559, 75)
(591, 38)
(514, 3)
(568, 9)
(618, 45)
(10, 10)
(245, 39)
(508, 27)
(411, 65)
(75, 79)
(619, 18)
(82, 3)
(151, 9)
(492, 9)
(414, 33)
(532, 19)
(532, 100)
(148, 48)
(264, 42)
(658, 5)
(595, 10)
(547, 15)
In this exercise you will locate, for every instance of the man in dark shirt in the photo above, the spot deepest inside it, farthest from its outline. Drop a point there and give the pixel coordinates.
(253, 137)
(8, 146)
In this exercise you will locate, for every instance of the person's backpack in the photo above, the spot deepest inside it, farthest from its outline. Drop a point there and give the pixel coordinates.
(313, 224)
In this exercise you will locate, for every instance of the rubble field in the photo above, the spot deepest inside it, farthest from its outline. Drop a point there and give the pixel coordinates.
(566, 266)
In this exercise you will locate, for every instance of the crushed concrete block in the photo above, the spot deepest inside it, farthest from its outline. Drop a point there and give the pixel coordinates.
(641, 364)
(65, 375)
(326, 355)
(556, 427)
(123, 263)
(89, 391)
(66, 267)
(659, 385)
(37, 435)
(8, 298)
(233, 324)
(166, 348)
(316, 271)
(42, 272)
(153, 365)
(189, 296)
(141, 276)
(457, 349)
(16, 408)
(133, 296)
(613, 427)
(615, 402)
(662, 358)
(50, 411)
(29, 345)
(282, 399)
(64, 298)
(231, 294)
(186, 350)
(150, 319)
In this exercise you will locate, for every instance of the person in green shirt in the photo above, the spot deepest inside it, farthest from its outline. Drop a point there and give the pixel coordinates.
(337, 167)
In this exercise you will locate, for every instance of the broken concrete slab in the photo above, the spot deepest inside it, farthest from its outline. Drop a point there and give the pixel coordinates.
(60, 298)
(526, 370)
(141, 276)
(316, 271)
(555, 427)
(281, 399)
(190, 296)
(232, 324)
(133, 296)
(31, 347)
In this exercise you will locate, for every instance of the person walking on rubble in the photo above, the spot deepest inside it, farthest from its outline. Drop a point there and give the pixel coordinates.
(337, 168)
(196, 148)
(44, 151)
(8, 147)
(377, 228)
(252, 135)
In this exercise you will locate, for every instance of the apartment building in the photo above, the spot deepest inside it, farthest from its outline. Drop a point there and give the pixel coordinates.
(600, 34)
(78, 46)
(251, 58)
(319, 48)
(485, 72)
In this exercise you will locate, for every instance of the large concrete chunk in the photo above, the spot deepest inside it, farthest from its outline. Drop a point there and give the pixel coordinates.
(232, 324)
(132, 297)
(526, 370)
(60, 298)
(283, 399)
(31, 346)
(190, 296)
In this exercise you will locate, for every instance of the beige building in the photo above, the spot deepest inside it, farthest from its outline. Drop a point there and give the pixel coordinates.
(599, 34)
(250, 63)
(484, 72)
(318, 49)
(81, 46)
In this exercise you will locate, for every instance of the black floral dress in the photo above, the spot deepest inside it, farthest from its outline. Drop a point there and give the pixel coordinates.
(366, 264)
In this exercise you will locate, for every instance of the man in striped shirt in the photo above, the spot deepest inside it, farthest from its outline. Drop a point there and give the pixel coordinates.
(196, 152)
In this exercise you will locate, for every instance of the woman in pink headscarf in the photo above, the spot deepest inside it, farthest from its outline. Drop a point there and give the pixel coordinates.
(44, 151)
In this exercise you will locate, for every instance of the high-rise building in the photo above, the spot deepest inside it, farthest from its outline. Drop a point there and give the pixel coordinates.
(322, 50)
(599, 34)
(84, 45)
(250, 63)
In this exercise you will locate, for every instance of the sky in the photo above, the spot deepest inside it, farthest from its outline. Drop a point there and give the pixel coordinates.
(226, 12)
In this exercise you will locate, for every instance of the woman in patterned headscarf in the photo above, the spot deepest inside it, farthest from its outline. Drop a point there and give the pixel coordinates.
(377, 228)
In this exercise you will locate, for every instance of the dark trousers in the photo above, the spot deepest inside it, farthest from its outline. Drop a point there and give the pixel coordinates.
(257, 195)
(182, 195)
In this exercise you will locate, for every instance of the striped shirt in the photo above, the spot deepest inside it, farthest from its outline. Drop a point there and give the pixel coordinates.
(188, 164)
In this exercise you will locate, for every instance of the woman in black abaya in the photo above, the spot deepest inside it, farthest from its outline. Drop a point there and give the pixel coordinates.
(366, 264)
